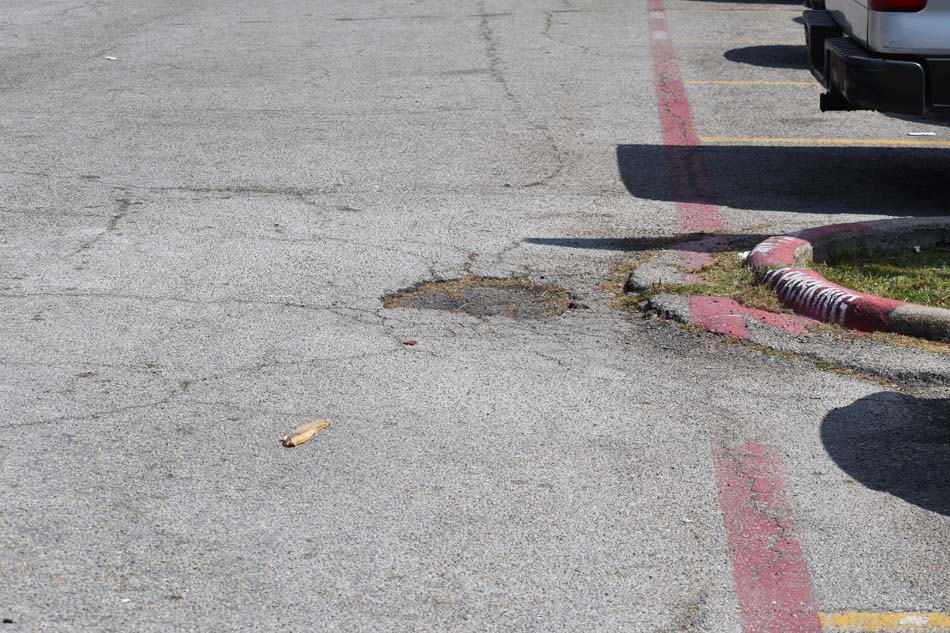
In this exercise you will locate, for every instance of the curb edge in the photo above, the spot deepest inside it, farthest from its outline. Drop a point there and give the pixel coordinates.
(810, 294)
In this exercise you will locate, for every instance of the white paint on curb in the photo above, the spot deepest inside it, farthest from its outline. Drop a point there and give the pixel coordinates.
(826, 300)
(772, 244)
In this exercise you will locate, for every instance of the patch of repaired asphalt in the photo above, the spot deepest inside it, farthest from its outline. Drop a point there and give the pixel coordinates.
(485, 297)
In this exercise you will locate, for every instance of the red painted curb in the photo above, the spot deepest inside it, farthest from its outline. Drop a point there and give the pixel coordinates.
(810, 294)
(795, 249)
(781, 250)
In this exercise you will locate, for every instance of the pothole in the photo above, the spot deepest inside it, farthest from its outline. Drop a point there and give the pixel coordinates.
(485, 297)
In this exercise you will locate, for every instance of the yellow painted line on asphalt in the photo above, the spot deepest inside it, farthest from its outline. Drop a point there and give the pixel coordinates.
(712, 82)
(853, 621)
(855, 142)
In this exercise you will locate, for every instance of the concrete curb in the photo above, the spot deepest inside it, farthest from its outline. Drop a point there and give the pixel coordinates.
(676, 266)
(665, 269)
(808, 293)
(863, 354)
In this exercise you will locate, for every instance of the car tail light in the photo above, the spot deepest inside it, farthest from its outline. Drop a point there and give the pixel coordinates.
(903, 6)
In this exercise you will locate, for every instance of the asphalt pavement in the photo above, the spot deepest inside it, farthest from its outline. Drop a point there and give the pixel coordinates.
(202, 207)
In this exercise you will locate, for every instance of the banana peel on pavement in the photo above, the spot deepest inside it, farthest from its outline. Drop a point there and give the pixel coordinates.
(305, 433)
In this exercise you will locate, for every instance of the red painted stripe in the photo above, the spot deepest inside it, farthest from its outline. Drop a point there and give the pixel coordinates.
(774, 587)
(691, 184)
(727, 317)
(772, 579)
(693, 188)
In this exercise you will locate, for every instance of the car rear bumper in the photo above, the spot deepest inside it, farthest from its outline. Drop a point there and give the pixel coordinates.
(858, 79)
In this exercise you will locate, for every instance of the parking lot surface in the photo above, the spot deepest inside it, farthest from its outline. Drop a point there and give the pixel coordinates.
(202, 208)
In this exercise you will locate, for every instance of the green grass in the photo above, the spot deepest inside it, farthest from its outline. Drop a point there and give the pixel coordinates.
(729, 277)
(726, 277)
(922, 277)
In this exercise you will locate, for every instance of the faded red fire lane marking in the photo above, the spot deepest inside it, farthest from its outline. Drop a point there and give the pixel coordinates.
(772, 579)
(691, 183)
(727, 317)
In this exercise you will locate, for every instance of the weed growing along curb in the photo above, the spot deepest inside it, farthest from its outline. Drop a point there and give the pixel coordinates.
(726, 277)
(922, 278)
(820, 363)
(891, 338)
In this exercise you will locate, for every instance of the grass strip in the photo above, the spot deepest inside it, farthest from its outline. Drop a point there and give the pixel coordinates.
(922, 277)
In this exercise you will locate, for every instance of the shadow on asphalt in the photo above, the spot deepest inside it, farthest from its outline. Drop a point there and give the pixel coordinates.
(894, 443)
(942, 120)
(860, 180)
(771, 56)
(697, 242)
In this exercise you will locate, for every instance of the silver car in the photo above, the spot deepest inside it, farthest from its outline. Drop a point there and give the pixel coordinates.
(885, 55)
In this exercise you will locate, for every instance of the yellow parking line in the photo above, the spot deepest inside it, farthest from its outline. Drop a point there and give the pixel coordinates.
(743, 140)
(711, 82)
(852, 621)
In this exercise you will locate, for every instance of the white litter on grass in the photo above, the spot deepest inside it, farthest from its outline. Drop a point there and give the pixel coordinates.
(921, 134)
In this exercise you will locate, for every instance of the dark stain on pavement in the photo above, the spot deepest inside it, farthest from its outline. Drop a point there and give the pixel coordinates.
(485, 297)
(895, 443)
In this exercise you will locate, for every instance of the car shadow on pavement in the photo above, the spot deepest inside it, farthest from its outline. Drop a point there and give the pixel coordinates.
(696, 242)
(771, 56)
(939, 120)
(894, 443)
(896, 181)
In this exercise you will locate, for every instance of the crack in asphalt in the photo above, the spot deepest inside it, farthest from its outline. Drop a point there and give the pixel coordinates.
(499, 259)
(550, 23)
(39, 174)
(93, 6)
(182, 386)
(156, 299)
(123, 212)
(777, 517)
(560, 362)
(51, 213)
(496, 69)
